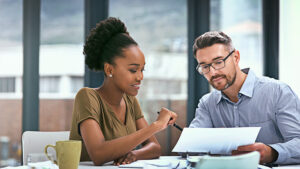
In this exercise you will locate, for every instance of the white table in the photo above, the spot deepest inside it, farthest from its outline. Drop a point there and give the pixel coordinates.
(90, 165)
(288, 167)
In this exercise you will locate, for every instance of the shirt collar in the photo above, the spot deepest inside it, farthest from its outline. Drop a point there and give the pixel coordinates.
(247, 87)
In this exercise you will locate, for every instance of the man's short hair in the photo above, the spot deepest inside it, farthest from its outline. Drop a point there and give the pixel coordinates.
(210, 38)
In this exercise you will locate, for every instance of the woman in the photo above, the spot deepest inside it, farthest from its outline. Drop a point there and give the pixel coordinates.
(108, 119)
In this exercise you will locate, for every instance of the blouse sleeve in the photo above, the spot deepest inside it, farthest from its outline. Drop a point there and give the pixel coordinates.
(86, 106)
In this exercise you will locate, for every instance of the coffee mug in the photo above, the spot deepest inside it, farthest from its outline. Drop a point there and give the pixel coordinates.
(67, 153)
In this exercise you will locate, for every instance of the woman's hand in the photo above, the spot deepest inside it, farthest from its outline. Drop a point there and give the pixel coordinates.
(166, 117)
(126, 159)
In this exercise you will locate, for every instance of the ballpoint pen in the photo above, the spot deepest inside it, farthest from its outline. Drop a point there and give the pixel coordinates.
(174, 124)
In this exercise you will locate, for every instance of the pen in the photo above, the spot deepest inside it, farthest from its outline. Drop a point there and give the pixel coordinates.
(175, 125)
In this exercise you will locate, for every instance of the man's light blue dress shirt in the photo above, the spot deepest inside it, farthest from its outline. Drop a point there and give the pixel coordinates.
(263, 102)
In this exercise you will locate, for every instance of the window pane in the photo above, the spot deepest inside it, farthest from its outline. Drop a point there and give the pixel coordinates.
(7, 84)
(49, 84)
(242, 21)
(160, 29)
(76, 83)
(61, 58)
(289, 47)
(11, 71)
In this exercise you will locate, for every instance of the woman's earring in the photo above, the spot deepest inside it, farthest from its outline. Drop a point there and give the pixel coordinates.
(110, 75)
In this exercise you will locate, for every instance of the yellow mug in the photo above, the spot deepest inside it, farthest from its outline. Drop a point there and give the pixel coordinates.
(67, 153)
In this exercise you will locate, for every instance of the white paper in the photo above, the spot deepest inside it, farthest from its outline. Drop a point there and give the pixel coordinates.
(243, 161)
(19, 167)
(215, 140)
(37, 165)
(152, 164)
(43, 165)
(136, 164)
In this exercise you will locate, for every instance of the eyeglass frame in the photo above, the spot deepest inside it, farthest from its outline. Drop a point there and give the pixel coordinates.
(210, 65)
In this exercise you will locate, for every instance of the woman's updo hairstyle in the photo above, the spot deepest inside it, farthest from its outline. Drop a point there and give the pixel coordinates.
(106, 42)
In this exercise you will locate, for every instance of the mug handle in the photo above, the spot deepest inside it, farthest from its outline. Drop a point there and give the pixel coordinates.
(46, 152)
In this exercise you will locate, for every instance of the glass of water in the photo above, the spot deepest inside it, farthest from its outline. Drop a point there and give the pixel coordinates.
(38, 157)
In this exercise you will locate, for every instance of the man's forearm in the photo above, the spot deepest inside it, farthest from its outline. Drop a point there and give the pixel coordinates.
(288, 152)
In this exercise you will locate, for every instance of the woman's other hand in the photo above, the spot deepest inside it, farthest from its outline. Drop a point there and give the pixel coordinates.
(126, 159)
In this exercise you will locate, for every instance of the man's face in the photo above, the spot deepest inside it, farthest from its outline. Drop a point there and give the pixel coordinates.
(222, 78)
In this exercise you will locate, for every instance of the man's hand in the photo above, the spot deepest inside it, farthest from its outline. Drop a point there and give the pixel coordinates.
(126, 159)
(267, 153)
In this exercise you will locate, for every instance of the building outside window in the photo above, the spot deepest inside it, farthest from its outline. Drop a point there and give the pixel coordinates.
(289, 40)
(61, 58)
(49, 84)
(11, 71)
(7, 84)
(242, 21)
(76, 83)
(160, 29)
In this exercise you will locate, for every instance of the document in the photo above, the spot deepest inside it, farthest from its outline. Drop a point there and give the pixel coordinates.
(155, 163)
(215, 140)
(243, 161)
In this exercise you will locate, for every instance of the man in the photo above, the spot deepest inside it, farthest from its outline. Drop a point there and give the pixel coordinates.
(242, 99)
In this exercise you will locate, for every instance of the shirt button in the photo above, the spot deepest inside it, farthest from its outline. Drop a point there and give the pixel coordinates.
(235, 107)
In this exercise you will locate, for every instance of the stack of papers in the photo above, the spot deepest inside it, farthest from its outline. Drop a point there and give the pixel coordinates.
(215, 140)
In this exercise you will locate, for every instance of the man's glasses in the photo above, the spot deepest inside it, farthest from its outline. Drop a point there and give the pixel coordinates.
(218, 64)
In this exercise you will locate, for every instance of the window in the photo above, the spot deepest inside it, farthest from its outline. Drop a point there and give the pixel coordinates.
(160, 29)
(49, 84)
(7, 84)
(61, 58)
(76, 83)
(289, 38)
(11, 71)
(242, 21)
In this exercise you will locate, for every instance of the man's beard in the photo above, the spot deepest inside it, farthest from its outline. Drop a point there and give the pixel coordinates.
(228, 81)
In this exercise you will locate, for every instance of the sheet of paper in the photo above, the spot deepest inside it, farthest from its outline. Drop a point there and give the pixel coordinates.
(136, 164)
(215, 140)
(19, 167)
(243, 161)
(152, 164)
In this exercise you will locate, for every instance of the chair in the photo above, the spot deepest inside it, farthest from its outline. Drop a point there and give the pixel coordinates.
(35, 141)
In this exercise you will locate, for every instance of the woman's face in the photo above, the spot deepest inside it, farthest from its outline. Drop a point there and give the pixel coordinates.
(127, 73)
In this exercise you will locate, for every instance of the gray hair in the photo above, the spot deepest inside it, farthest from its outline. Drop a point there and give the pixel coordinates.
(210, 38)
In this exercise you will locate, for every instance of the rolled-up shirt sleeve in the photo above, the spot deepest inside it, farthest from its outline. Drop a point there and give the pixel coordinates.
(202, 115)
(288, 122)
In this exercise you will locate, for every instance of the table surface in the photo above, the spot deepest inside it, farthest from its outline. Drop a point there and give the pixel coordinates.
(90, 165)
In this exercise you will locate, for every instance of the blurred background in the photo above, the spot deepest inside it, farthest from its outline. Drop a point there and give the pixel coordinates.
(164, 30)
